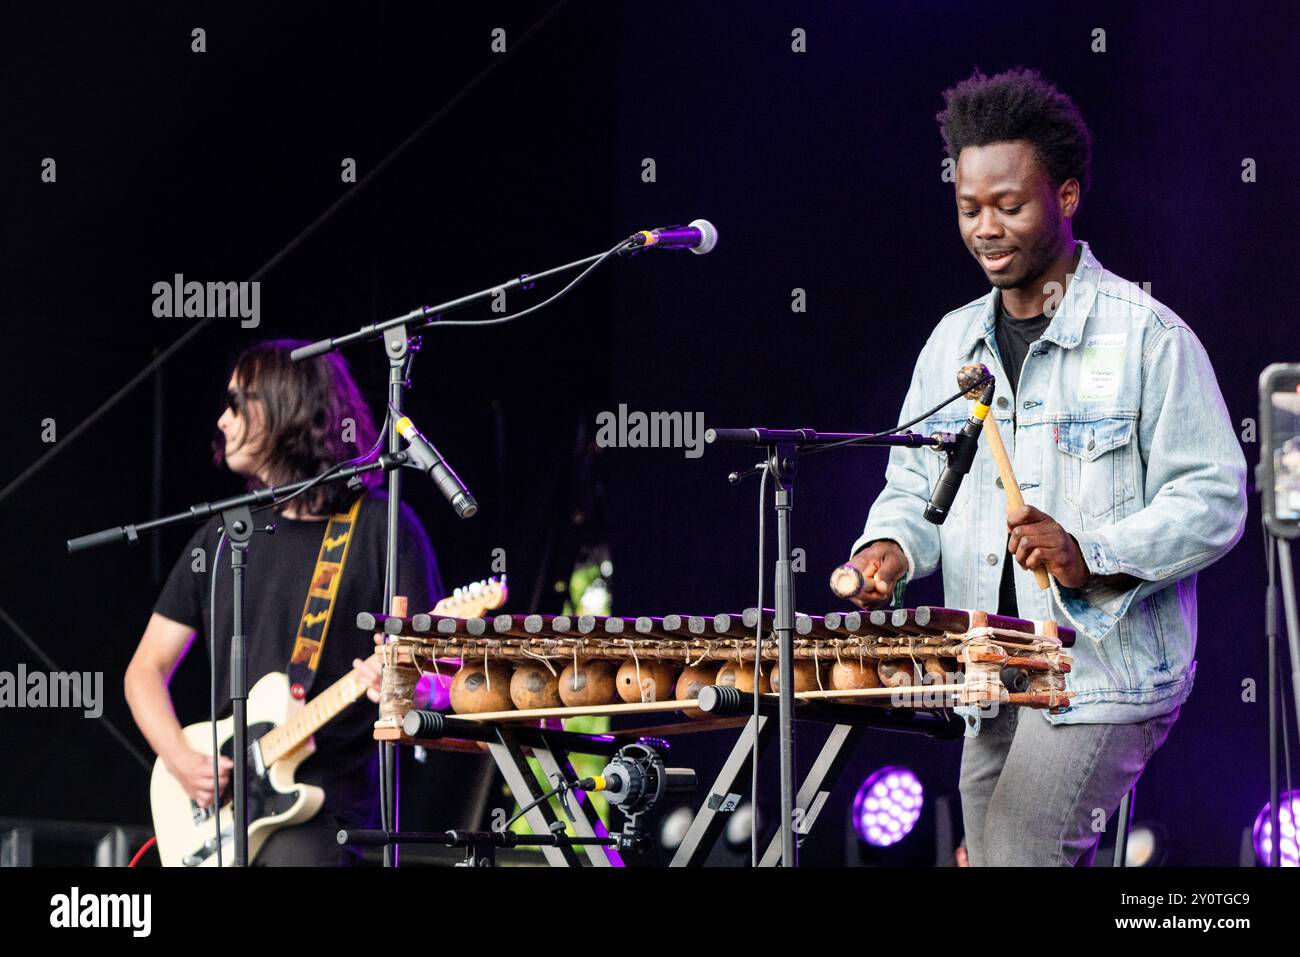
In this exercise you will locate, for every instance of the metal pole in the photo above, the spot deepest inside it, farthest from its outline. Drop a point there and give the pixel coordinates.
(1293, 644)
(783, 469)
(1123, 819)
(396, 345)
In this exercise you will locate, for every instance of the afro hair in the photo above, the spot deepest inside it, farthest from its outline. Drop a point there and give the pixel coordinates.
(1019, 105)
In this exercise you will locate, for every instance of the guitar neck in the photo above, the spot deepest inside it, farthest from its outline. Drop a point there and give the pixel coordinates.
(318, 712)
(293, 734)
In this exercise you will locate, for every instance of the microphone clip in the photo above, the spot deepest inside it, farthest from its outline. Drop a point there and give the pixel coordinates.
(961, 452)
(735, 478)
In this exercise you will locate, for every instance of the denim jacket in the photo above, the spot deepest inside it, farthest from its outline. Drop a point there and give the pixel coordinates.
(1120, 433)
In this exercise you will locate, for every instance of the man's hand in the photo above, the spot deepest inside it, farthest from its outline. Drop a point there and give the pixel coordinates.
(881, 563)
(194, 772)
(1038, 541)
(371, 672)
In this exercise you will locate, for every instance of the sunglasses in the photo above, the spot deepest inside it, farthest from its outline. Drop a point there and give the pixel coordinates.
(236, 398)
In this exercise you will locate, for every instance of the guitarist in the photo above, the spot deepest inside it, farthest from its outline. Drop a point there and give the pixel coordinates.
(284, 422)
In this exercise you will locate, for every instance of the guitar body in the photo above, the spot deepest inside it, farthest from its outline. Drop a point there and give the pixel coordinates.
(186, 834)
(281, 727)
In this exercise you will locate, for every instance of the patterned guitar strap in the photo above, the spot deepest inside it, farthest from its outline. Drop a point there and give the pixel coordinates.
(319, 606)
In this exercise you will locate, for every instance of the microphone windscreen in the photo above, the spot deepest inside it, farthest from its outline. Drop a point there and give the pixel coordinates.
(708, 236)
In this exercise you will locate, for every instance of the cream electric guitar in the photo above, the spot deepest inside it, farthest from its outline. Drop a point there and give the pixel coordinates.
(280, 730)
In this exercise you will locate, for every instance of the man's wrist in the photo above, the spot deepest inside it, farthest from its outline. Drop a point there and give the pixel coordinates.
(865, 545)
(1083, 561)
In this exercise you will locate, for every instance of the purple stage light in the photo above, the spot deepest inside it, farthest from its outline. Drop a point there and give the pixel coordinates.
(887, 806)
(439, 690)
(1287, 815)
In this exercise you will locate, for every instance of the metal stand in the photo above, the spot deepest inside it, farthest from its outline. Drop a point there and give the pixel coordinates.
(507, 743)
(397, 347)
(783, 464)
(848, 723)
(238, 523)
(1287, 573)
(480, 846)
(237, 520)
(724, 797)
(555, 765)
(816, 788)
(541, 819)
(400, 348)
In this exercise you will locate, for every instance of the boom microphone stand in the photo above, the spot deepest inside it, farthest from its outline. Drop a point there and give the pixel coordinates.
(1279, 395)
(782, 461)
(237, 520)
(398, 344)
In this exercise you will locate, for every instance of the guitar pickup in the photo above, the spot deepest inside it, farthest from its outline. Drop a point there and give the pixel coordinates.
(259, 766)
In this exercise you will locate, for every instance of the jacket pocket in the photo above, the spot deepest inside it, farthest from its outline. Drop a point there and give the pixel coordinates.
(1097, 461)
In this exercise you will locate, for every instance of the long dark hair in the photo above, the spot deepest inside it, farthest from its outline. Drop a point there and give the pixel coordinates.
(315, 417)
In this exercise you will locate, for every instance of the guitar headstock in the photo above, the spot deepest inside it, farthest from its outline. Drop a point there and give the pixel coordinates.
(471, 601)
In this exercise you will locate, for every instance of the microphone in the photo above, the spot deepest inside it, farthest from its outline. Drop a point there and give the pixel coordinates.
(959, 459)
(635, 779)
(426, 458)
(699, 237)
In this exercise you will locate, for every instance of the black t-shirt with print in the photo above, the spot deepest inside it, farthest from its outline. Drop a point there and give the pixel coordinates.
(279, 567)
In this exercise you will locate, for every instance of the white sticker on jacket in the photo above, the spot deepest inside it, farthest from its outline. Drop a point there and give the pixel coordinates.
(1103, 361)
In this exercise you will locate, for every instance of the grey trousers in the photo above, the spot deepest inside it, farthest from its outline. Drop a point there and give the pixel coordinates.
(1041, 795)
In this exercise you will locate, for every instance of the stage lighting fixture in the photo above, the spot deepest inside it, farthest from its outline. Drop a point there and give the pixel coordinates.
(1263, 831)
(673, 828)
(887, 806)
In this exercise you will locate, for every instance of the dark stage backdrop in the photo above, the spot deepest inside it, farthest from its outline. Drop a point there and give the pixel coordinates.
(822, 170)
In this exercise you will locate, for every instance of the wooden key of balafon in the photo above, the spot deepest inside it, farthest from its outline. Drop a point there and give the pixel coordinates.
(968, 376)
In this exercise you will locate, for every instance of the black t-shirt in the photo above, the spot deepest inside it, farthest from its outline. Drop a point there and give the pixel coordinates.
(1014, 337)
(278, 569)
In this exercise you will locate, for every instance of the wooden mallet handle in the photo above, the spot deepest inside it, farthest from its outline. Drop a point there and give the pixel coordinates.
(1009, 484)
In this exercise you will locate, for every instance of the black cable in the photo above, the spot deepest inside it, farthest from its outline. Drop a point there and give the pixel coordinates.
(562, 786)
(359, 460)
(902, 425)
(435, 323)
(212, 693)
(758, 670)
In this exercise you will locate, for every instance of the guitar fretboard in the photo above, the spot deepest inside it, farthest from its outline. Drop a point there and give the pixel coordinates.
(294, 733)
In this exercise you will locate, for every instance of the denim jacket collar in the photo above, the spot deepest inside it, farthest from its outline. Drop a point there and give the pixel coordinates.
(1066, 328)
